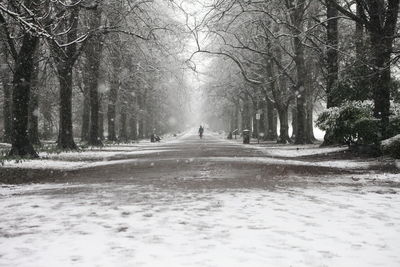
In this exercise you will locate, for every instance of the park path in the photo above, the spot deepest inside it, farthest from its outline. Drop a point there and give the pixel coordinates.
(193, 202)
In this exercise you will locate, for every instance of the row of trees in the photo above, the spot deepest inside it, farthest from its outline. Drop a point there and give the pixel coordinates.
(289, 55)
(84, 59)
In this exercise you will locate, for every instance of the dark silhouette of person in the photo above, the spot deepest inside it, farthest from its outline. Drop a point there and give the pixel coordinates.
(201, 131)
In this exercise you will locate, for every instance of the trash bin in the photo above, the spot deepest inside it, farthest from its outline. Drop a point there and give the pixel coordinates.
(246, 136)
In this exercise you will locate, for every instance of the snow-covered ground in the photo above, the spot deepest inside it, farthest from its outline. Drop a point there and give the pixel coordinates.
(332, 219)
(119, 153)
(79, 160)
(130, 225)
(91, 157)
(292, 151)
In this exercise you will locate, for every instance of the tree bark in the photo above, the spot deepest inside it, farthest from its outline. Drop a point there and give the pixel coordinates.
(284, 125)
(93, 56)
(261, 124)
(85, 110)
(7, 91)
(123, 133)
(33, 111)
(301, 94)
(381, 82)
(46, 110)
(101, 120)
(294, 123)
(133, 135)
(332, 63)
(359, 37)
(297, 10)
(24, 67)
(111, 108)
(246, 113)
(237, 115)
(271, 135)
(65, 134)
(310, 122)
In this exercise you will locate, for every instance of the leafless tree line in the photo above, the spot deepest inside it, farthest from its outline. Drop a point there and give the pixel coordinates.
(89, 58)
(290, 54)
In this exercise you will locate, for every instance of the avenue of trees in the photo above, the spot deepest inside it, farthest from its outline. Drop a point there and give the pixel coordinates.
(114, 70)
(95, 70)
(280, 58)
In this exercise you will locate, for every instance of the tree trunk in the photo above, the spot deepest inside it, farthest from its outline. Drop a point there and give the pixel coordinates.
(94, 139)
(93, 56)
(246, 114)
(85, 112)
(294, 123)
(46, 110)
(284, 124)
(237, 115)
(266, 120)
(133, 135)
(297, 11)
(271, 135)
(24, 67)
(261, 124)
(7, 91)
(310, 122)
(332, 52)
(111, 110)
(301, 136)
(65, 134)
(101, 121)
(232, 120)
(381, 51)
(254, 110)
(33, 111)
(141, 130)
(332, 61)
(139, 102)
(123, 134)
(359, 37)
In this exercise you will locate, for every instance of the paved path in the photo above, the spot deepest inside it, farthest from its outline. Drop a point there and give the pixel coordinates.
(200, 203)
(196, 163)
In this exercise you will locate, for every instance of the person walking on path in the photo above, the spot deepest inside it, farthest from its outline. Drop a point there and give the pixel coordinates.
(201, 131)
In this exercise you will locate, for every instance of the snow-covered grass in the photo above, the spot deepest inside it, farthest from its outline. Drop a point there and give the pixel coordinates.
(129, 225)
(292, 151)
(340, 164)
(5, 145)
(53, 159)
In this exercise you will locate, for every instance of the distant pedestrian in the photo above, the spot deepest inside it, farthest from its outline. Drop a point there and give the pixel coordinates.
(201, 131)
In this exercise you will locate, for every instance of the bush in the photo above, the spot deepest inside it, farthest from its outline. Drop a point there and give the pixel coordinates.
(350, 123)
(394, 125)
(354, 123)
(367, 130)
(391, 146)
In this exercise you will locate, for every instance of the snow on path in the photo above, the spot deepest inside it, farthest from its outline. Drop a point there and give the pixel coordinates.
(129, 225)
(82, 164)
